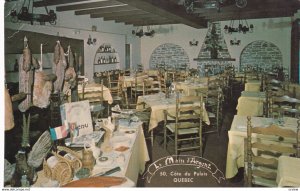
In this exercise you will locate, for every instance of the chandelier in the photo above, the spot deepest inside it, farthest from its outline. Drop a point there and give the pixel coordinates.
(139, 32)
(242, 27)
(26, 14)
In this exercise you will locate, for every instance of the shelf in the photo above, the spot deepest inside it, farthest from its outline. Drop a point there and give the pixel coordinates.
(215, 59)
(106, 52)
(108, 63)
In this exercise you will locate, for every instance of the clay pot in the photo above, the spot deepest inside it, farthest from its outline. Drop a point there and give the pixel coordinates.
(88, 160)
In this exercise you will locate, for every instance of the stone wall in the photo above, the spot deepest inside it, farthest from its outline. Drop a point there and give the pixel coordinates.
(213, 65)
(223, 53)
(169, 56)
(261, 54)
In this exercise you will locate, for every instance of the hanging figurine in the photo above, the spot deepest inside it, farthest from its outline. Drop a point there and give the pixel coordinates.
(59, 66)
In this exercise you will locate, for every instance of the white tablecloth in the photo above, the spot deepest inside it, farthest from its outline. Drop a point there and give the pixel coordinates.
(253, 86)
(251, 103)
(132, 162)
(158, 104)
(190, 87)
(288, 173)
(93, 92)
(236, 135)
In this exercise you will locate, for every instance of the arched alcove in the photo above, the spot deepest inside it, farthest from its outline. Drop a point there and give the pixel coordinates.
(261, 54)
(169, 56)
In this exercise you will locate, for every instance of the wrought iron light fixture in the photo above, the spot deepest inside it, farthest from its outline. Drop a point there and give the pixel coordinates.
(24, 15)
(192, 5)
(91, 41)
(243, 27)
(139, 32)
(235, 42)
(194, 42)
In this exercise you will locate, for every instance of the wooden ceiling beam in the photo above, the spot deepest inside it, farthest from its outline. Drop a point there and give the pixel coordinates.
(251, 6)
(169, 10)
(147, 23)
(250, 15)
(131, 17)
(137, 19)
(88, 5)
(241, 12)
(54, 2)
(106, 10)
(117, 14)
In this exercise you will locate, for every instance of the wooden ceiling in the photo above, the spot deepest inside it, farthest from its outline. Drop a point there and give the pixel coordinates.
(159, 12)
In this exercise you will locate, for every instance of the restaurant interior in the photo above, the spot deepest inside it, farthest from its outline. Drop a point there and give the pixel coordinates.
(151, 93)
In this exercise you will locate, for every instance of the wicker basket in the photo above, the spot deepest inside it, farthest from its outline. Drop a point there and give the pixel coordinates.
(76, 163)
(61, 172)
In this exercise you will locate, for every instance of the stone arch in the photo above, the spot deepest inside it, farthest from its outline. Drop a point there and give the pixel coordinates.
(169, 56)
(261, 54)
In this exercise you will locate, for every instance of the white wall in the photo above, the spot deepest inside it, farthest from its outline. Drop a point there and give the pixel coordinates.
(80, 27)
(177, 34)
(275, 30)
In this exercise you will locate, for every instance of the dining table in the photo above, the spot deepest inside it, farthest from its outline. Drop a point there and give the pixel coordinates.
(128, 81)
(251, 103)
(158, 103)
(288, 173)
(189, 87)
(237, 134)
(131, 162)
(93, 92)
(252, 85)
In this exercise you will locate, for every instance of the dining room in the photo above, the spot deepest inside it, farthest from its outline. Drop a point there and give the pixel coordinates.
(150, 93)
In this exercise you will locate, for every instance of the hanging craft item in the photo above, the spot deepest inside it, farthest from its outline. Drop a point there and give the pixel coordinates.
(42, 86)
(9, 116)
(41, 90)
(59, 66)
(70, 75)
(25, 77)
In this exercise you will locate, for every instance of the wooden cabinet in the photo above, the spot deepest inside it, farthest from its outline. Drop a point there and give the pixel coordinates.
(295, 51)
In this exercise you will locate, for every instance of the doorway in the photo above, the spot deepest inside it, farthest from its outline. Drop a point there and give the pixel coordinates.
(127, 56)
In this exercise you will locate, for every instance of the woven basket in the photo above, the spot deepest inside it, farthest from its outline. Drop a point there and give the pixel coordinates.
(61, 172)
(75, 164)
(47, 170)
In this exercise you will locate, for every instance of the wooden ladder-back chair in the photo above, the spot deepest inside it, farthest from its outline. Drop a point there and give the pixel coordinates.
(163, 79)
(115, 87)
(284, 106)
(137, 87)
(262, 148)
(154, 86)
(185, 124)
(213, 99)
